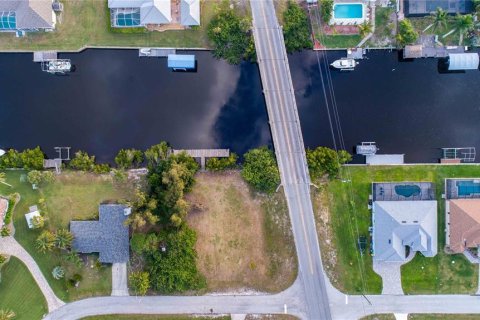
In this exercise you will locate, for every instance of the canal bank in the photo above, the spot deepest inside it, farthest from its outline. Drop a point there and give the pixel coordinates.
(117, 100)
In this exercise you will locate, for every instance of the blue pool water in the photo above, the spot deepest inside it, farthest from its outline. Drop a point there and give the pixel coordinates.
(466, 188)
(348, 11)
(407, 190)
(128, 19)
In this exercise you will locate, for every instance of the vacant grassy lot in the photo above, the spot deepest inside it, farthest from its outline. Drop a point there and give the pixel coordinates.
(384, 34)
(20, 293)
(421, 23)
(156, 317)
(244, 241)
(381, 316)
(340, 41)
(348, 212)
(74, 195)
(87, 23)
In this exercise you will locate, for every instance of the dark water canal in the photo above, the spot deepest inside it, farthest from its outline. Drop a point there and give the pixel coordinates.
(117, 100)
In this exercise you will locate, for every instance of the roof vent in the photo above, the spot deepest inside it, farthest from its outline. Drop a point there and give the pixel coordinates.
(404, 221)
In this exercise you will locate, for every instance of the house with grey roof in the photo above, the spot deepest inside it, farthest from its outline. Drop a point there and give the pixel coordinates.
(108, 236)
(27, 15)
(404, 220)
(142, 13)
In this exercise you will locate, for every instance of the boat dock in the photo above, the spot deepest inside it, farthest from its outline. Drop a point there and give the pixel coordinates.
(156, 52)
(42, 56)
(429, 48)
(202, 154)
(356, 53)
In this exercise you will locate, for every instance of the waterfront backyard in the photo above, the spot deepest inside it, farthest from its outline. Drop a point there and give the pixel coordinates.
(347, 205)
(74, 195)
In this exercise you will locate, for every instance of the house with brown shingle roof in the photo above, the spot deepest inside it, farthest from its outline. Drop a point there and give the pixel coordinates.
(462, 214)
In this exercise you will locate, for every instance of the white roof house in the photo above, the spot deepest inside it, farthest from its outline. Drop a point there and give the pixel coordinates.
(134, 13)
(29, 217)
(190, 12)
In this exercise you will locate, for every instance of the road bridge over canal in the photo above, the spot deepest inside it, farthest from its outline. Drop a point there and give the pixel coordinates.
(290, 152)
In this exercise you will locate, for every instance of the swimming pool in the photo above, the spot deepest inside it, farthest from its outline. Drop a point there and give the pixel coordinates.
(467, 188)
(407, 190)
(348, 11)
(126, 17)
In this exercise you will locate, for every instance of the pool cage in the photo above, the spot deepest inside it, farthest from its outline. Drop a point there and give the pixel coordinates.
(125, 17)
(8, 20)
(460, 154)
(403, 191)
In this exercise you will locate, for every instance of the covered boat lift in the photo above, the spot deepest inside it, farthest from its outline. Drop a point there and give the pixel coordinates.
(181, 62)
(463, 61)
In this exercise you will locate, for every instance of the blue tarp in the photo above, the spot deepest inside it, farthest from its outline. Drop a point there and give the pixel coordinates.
(181, 61)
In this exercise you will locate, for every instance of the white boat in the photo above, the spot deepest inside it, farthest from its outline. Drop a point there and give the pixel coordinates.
(57, 66)
(2, 152)
(344, 64)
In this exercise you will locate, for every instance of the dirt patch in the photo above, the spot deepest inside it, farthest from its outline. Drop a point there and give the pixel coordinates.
(234, 249)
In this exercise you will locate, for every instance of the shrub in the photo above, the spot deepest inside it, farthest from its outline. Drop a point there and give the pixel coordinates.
(8, 215)
(32, 159)
(101, 168)
(127, 158)
(219, 164)
(38, 222)
(11, 159)
(140, 282)
(5, 232)
(82, 161)
(40, 177)
(406, 33)
(2, 259)
(58, 272)
(260, 170)
(45, 241)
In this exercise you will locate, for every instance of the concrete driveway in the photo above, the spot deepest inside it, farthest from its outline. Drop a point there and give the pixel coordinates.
(391, 276)
(119, 280)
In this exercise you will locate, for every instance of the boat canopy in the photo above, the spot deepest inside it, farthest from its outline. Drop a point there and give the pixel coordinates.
(181, 61)
(463, 61)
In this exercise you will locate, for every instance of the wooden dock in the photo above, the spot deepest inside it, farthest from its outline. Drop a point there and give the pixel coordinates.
(41, 56)
(53, 163)
(203, 154)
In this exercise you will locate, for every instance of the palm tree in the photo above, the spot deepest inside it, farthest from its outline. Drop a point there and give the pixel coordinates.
(365, 28)
(63, 239)
(58, 272)
(73, 257)
(6, 314)
(45, 241)
(464, 24)
(440, 19)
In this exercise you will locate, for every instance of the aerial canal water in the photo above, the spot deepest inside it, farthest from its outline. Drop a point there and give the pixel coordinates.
(117, 100)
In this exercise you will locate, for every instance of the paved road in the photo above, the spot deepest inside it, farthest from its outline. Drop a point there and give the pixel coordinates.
(290, 152)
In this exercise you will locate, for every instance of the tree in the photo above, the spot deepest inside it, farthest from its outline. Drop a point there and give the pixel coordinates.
(143, 211)
(230, 36)
(157, 153)
(440, 19)
(11, 159)
(2, 259)
(175, 269)
(464, 24)
(32, 159)
(326, 7)
(406, 34)
(7, 314)
(324, 160)
(101, 168)
(63, 239)
(127, 158)
(365, 28)
(260, 170)
(45, 241)
(58, 272)
(219, 164)
(38, 222)
(296, 28)
(82, 161)
(140, 282)
(168, 182)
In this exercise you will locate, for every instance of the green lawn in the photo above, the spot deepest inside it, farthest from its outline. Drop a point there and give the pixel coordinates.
(420, 23)
(74, 195)
(439, 274)
(381, 316)
(156, 317)
(443, 317)
(20, 293)
(340, 41)
(86, 23)
(383, 27)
